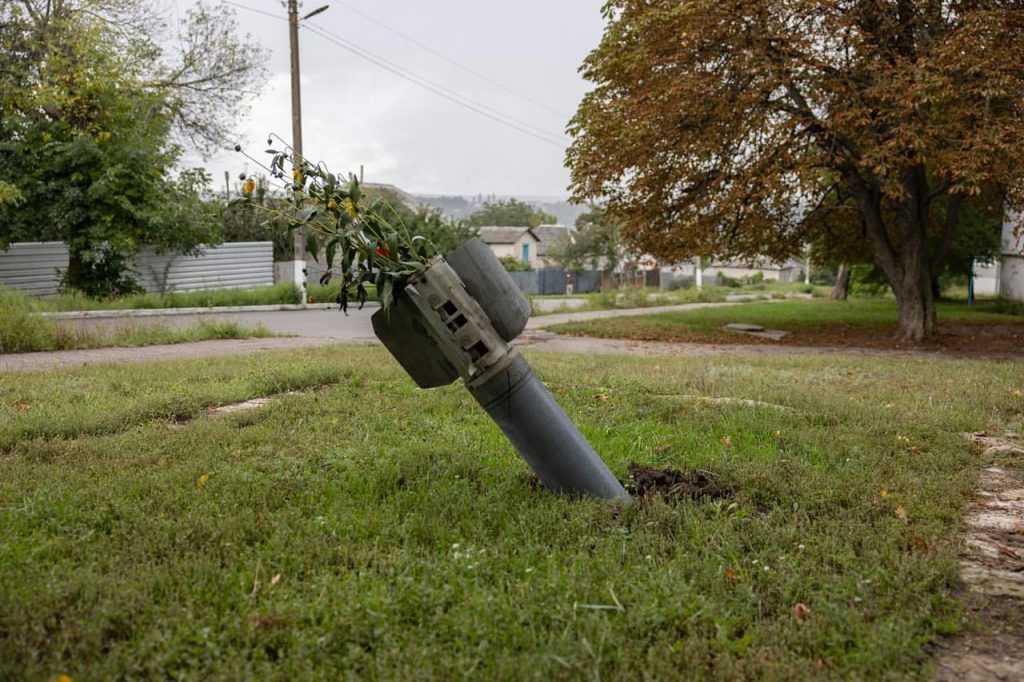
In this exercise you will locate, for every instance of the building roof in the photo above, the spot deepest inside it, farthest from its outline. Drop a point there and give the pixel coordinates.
(549, 235)
(504, 235)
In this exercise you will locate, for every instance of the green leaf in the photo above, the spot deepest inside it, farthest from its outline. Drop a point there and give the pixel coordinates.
(386, 293)
(313, 246)
(332, 245)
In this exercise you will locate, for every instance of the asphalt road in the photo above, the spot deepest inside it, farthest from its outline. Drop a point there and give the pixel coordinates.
(306, 328)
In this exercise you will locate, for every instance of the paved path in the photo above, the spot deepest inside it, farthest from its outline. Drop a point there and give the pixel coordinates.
(308, 328)
(311, 328)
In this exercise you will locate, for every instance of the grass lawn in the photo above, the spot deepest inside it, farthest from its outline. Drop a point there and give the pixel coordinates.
(266, 295)
(22, 331)
(367, 529)
(648, 298)
(988, 326)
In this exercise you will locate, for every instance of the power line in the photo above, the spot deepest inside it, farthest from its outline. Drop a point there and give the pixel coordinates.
(437, 88)
(468, 69)
(552, 139)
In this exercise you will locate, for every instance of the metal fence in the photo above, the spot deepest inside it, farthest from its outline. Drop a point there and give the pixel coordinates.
(551, 281)
(36, 268)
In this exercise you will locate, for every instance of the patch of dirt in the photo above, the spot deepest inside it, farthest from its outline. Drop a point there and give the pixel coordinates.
(992, 570)
(672, 484)
(1004, 340)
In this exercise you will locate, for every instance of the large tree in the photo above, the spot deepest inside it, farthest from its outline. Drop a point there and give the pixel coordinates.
(90, 113)
(728, 128)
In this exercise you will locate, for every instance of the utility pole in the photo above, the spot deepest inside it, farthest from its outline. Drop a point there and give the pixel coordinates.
(299, 236)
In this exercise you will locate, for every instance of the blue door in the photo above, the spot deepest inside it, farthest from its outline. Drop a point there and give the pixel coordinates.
(526, 253)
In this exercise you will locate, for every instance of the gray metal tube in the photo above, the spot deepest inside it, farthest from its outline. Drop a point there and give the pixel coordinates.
(543, 434)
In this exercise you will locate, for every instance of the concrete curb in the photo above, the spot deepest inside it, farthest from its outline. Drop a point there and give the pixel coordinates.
(162, 312)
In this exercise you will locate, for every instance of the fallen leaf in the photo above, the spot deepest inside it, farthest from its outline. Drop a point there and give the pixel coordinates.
(601, 398)
(1007, 551)
(727, 440)
(732, 574)
(884, 492)
(801, 611)
(919, 544)
(901, 512)
(276, 579)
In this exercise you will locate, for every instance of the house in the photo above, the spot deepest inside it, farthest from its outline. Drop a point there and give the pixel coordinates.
(785, 272)
(1011, 266)
(550, 237)
(518, 243)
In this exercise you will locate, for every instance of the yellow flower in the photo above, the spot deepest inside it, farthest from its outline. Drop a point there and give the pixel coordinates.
(248, 186)
(332, 204)
(883, 492)
(297, 176)
(202, 480)
(350, 208)
(63, 678)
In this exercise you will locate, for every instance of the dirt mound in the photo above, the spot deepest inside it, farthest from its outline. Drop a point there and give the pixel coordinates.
(672, 484)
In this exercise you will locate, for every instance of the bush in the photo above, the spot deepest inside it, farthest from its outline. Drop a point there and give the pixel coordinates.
(20, 330)
(727, 281)
(867, 280)
(208, 298)
(513, 265)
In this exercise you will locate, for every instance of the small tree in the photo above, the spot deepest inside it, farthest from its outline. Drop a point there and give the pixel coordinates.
(597, 243)
(90, 107)
(510, 213)
(718, 128)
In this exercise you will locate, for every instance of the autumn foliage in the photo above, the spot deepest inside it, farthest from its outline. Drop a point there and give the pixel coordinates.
(746, 127)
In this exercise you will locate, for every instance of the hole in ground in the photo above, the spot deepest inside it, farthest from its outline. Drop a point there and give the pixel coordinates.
(672, 485)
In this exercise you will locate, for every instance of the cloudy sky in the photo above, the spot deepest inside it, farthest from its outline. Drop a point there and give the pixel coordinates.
(356, 112)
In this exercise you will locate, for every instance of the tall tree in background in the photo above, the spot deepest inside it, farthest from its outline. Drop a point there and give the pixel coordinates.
(510, 213)
(90, 111)
(596, 244)
(729, 128)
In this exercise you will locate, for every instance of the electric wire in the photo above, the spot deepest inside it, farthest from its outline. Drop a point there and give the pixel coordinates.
(468, 69)
(479, 108)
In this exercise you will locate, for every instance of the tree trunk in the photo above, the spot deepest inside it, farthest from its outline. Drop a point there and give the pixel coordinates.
(917, 318)
(842, 288)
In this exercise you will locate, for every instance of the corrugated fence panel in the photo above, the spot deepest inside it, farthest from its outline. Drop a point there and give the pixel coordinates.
(228, 266)
(33, 267)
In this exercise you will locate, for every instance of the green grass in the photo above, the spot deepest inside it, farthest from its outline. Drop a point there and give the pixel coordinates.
(368, 529)
(22, 331)
(267, 295)
(648, 298)
(806, 319)
(316, 293)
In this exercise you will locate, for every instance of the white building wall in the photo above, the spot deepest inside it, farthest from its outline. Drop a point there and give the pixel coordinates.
(1011, 275)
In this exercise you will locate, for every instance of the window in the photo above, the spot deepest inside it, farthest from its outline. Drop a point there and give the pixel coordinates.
(526, 253)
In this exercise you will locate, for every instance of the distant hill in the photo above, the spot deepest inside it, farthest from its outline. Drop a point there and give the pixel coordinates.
(458, 206)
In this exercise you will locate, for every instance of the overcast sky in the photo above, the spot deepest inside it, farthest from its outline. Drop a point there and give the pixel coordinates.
(355, 112)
